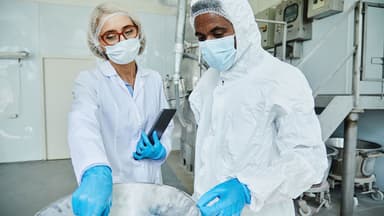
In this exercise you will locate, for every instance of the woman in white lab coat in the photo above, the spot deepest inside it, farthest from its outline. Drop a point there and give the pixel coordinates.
(114, 104)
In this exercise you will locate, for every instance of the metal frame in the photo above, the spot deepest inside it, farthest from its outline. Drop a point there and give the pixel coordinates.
(14, 55)
(284, 42)
(365, 7)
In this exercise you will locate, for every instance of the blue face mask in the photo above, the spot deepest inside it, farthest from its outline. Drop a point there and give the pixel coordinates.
(219, 53)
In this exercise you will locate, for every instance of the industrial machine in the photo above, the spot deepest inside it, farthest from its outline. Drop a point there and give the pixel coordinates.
(366, 154)
(294, 13)
(294, 50)
(320, 193)
(318, 9)
(267, 30)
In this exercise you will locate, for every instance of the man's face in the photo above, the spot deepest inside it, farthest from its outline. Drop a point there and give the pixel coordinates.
(211, 26)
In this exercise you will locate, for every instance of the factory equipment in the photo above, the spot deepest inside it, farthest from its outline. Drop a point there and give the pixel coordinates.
(294, 13)
(169, 90)
(188, 70)
(373, 45)
(139, 199)
(294, 50)
(188, 137)
(322, 8)
(319, 192)
(267, 30)
(366, 154)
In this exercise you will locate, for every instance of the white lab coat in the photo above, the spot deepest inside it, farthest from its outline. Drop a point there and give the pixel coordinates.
(256, 122)
(106, 121)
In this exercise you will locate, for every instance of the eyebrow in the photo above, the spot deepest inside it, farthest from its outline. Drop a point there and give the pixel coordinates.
(217, 28)
(113, 30)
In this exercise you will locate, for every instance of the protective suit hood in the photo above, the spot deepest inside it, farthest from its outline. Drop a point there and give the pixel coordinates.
(248, 38)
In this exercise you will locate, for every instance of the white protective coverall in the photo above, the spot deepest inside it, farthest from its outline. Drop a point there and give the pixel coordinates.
(256, 122)
(106, 122)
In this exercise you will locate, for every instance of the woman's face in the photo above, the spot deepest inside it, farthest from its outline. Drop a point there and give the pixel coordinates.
(210, 26)
(116, 29)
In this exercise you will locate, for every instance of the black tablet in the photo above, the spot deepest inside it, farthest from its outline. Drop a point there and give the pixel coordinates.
(161, 123)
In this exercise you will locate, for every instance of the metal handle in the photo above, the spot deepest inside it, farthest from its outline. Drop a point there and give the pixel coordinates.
(374, 154)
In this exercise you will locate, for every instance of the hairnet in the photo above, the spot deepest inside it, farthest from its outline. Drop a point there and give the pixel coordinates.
(99, 16)
(207, 6)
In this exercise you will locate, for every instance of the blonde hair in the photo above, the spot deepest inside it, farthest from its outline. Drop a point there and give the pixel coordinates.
(98, 17)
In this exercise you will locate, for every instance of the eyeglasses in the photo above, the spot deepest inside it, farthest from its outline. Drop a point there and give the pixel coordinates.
(113, 37)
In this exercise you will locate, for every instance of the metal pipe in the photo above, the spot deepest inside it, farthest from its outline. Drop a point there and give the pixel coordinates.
(189, 45)
(357, 57)
(271, 21)
(179, 44)
(14, 55)
(284, 42)
(349, 164)
(285, 30)
(179, 50)
(196, 58)
(350, 129)
(382, 74)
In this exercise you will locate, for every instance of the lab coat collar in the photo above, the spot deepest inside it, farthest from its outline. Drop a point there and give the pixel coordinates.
(108, 70)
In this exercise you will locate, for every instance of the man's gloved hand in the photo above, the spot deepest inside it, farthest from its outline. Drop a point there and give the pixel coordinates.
(94, 195)
(147, 150)
(227, 198)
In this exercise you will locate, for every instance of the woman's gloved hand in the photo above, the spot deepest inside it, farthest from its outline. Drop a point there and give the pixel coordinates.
(147, 150)
(94, 195)
(227, 198)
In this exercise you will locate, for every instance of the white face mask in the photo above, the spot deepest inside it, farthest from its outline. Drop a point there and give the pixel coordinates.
(123, 52)
(219, 53)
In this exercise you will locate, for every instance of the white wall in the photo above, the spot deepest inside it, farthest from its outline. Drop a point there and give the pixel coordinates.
(55, 30)
(260, 5)
(22, 138)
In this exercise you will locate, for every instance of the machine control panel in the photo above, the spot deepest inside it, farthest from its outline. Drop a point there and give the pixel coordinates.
(299, 28)
(318, 9)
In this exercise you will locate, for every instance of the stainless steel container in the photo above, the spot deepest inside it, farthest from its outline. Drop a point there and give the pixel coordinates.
(137, 199)
(366, 154)
(331, 155)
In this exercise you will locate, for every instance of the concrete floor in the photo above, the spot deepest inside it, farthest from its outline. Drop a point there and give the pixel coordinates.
(366, 205)
(29, 186)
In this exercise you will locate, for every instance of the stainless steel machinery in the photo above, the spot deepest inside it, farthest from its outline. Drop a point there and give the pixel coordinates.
(294, 13)
(366, 154)
(322, 8)
(319, 193)
(267, 30)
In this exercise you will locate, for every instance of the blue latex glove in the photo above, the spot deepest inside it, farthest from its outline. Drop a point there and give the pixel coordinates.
(227, 198)
(94, 195)
(147, 150)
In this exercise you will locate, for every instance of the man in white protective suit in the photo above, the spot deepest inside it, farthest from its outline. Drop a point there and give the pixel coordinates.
(258, 142)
